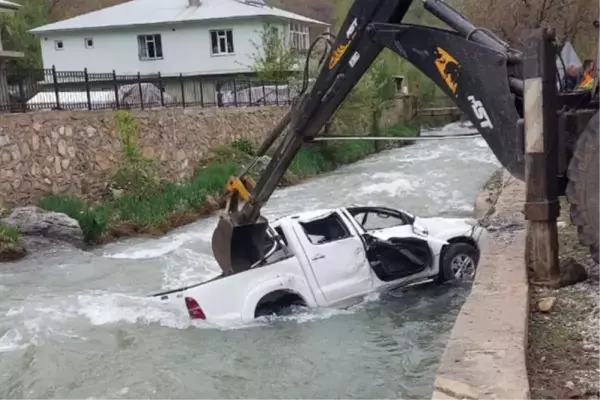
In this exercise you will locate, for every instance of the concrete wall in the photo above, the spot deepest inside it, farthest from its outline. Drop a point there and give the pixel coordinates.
(74, 152)
(186, 48)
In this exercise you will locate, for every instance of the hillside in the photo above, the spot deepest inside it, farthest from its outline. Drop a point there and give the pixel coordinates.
(318, 9)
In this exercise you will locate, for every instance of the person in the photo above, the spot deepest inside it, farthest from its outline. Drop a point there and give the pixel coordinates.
(572, 77)
(587, 79)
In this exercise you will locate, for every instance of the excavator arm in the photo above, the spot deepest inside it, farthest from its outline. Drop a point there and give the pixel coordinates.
(472, 66)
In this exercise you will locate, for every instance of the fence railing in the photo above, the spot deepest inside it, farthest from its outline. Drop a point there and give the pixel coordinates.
(49, 89)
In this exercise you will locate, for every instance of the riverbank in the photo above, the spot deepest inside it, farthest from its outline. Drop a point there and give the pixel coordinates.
(137, 203)
(485, 354)
(512, 341)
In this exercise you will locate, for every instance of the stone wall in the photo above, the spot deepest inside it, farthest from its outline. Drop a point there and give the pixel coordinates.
(74, 152)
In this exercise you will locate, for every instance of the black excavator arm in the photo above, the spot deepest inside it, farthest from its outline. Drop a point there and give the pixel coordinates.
(472, 66)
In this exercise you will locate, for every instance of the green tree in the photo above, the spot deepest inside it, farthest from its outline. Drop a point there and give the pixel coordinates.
(273, 60)
(33, 13)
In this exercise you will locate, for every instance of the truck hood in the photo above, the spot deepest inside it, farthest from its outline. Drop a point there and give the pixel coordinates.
(439, 227)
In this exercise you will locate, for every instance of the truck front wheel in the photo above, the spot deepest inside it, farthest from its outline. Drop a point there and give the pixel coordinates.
(459, 262)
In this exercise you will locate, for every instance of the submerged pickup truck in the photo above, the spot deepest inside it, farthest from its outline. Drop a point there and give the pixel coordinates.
(333, 258)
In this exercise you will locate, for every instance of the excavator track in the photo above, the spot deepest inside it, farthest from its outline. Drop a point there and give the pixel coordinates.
(584, 186)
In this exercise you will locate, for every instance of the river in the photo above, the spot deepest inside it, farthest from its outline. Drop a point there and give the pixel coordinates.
(77, 324)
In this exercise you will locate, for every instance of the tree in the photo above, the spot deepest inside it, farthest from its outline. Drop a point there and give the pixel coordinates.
(32, 13)
(273, 60)
(571, 19)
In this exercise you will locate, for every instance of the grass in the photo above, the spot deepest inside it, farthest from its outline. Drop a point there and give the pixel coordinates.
(157, 207)
(9, 235)
(11, 248)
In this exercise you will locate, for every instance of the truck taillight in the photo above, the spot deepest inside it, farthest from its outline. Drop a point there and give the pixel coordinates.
(194, 308)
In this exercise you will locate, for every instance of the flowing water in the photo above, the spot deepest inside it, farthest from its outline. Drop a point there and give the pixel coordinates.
(76, 324)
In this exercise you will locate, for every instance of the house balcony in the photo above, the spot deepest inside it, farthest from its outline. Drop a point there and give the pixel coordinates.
(7, 49)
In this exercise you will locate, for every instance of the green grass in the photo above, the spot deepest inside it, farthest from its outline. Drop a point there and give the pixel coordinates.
(9, 235)
(155, 208)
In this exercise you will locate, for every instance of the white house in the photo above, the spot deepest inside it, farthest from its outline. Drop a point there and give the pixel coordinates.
(190, 37)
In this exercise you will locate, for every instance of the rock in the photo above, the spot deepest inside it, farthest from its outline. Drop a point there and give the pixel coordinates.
(571, 272)
(34, 221)
(11, 252)
(546, 304)
(569, 385)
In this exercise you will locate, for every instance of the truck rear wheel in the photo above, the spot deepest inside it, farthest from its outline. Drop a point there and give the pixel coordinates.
(583, 186)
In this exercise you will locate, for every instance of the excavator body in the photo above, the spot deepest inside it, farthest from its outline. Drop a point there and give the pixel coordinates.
(481, 73)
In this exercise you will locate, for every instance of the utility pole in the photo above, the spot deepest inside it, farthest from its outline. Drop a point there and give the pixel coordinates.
(541, 158)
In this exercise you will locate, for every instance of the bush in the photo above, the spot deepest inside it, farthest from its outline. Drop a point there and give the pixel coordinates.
(9, 235)
(92, 219)
(244, 145)
(136, 174)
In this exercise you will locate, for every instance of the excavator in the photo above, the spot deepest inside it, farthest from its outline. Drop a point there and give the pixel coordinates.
(480, 72)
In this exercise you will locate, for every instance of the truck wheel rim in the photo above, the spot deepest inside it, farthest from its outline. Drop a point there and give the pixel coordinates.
(463, 266)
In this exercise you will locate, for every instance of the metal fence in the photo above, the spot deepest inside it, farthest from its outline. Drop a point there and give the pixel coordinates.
(49, 89)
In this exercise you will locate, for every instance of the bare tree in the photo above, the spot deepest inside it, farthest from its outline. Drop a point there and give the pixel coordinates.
(572, 20)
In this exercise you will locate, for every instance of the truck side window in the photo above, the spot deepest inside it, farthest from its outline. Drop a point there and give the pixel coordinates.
(328, 229)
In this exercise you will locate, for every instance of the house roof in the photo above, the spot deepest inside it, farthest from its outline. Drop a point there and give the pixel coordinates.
(9, 5)
(146, 12)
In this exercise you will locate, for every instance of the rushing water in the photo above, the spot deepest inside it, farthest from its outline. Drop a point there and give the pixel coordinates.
(77, 324)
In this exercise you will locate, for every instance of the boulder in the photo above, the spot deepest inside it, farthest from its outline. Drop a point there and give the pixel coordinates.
(35, 221)
(11, 252)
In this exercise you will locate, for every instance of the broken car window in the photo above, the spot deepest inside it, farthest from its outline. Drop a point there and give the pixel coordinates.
(325, 230)
(378, 220)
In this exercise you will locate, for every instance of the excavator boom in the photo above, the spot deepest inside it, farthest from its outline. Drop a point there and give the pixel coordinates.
(476, 69)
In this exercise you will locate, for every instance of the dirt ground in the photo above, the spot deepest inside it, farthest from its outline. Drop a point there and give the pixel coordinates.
(563, 360)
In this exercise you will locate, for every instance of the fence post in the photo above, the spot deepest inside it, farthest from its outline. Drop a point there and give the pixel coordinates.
(22, 99)
(116, 87)
(139, 79)
(87, 88)
(290, 93)
(276, 93)
(219, 94)
(201, 93)
(182, 91)
(55, 79)
(264, 94)
(160, 86)
(541, 139)
(235, 102)
(249, 82)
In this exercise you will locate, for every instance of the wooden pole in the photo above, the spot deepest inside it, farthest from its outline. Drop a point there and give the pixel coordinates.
(541, 158)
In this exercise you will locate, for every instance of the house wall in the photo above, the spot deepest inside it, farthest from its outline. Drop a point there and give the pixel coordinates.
(75, 152)
(186, 49)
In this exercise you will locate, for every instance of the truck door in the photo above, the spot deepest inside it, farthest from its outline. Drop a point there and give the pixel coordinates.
(336, 255)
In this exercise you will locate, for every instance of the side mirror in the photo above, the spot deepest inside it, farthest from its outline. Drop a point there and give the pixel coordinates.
(419, 229)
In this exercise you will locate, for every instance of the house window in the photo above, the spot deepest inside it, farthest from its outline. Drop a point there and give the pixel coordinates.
(298, 37)
(59, 45)
(89, 43)
(150, 47)
(221, 41)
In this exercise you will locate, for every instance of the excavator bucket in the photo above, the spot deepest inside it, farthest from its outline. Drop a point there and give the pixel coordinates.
(237, 247)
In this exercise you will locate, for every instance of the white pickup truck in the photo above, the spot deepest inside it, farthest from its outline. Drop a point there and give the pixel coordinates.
(333, 258)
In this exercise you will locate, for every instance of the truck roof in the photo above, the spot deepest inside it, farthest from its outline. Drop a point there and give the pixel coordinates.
(306, 215)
